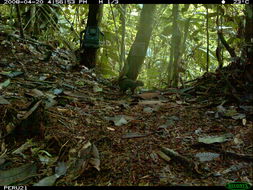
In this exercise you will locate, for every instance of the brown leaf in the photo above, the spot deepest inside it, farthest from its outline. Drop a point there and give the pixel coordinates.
(95, 160)
(151, 102)
(134, 135)
(149, 95)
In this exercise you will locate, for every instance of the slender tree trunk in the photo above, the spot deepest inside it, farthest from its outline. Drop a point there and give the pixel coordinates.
(20, 22)
(186, 32)
(88, 55)
(175, 49)
(32, 17)
(219, 47)
(248, 35)
(138, 49)
(123, 32)
(177, 54)
(207, 40)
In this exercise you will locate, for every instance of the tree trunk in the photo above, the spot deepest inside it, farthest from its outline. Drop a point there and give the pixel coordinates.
(207, 40)
(248, 35)
(138, 49)
(175, 49)
(32, 17)
(123, 32)
(218, 50)
(20, 22)
(88, 55)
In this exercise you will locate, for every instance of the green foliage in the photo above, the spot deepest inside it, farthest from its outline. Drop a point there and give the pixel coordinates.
(64, 23)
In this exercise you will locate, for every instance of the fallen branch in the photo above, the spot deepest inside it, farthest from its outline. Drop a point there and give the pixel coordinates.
(192, 166)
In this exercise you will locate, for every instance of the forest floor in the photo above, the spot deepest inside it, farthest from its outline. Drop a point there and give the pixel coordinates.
(74, 128)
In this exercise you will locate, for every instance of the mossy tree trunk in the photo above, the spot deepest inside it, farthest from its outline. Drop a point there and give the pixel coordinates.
(88, 55)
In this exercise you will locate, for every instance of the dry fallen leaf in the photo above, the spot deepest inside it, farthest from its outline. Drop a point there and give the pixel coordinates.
(149, 95)
(163, 156)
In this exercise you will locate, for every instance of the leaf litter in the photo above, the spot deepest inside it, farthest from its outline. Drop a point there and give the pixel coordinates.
(76, 118)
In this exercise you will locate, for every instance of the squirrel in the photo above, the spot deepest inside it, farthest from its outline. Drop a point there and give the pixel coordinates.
(126, 83)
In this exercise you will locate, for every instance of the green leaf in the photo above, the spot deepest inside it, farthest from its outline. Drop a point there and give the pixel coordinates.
(18, 174)
(5, 83)
(47, 181)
